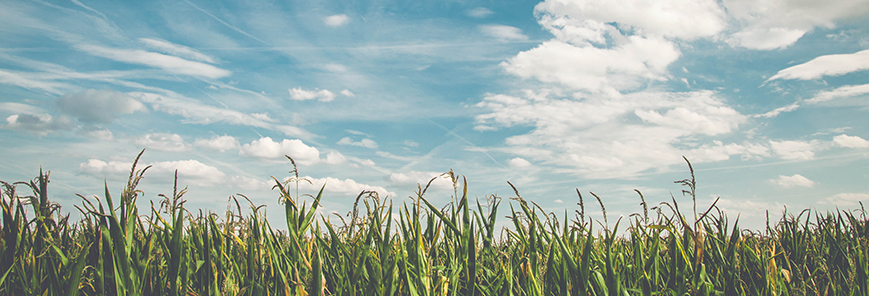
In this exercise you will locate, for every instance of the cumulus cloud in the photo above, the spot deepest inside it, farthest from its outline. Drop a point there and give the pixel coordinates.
(335, 157)
(845, 199)
(168, 63)
(252, 184)
(600, 136)
(98, 106)
(796, 180)
(176, 50)
(850, 141)
(795, 149)
(98, 167)
(518, 162)
(604, 47)
(299, 94)
(268, 148)
(163, 142)
(765, 38)
(221, 143)
(776, 24)
(827, 65)
(347, 93)
(412, 178)
(336, 20)
(97, 132)
(189, 171)
(502, 32)
(669, 18)
(367, 143)
(38, 124)
(595, 69)
(348, 187)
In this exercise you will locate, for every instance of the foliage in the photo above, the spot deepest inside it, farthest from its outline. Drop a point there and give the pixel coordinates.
(416, 248)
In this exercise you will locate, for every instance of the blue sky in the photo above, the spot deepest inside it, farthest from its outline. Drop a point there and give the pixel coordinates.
(767, 99)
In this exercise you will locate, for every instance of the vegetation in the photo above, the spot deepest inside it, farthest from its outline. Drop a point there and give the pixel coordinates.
(422, 250)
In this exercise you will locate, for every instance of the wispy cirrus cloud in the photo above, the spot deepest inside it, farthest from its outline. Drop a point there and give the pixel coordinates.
(796, 180)
(176, 50)
(199, 113)
(171, 64)
(826, 65)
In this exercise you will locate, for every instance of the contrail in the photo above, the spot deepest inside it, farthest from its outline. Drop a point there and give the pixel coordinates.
(225, 23)
(466, 141)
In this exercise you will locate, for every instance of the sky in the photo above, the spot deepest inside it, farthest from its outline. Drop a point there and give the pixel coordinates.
(768, 100)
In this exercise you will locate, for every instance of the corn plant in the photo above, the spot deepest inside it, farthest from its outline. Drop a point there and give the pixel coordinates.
(387, 247)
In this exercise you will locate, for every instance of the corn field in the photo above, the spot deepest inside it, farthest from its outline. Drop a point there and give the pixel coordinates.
(417, 248)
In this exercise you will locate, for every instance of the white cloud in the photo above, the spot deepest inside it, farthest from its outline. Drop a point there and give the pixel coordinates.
(775, 24)
(518, 162)
(502, 32)
(845, 199)
(850, 141)
(595, 69)
(19, 108)
(480, 12)
(198, 113)
(778, 111)
(299, 94)
(367, 162)
(337, 68)
(765, 38)
(827, 65)
(189, 171)
(796, 180)
(267, 148)
(38, 124)
(347, 93)
(163, 142)
(26, 81)
(335, 157)
(176, 50)
(96, 132)
(348, 187)
(412, 178)
(599, 136)
(666, 18)
(168, 63)
(336, 20)
(263, 116)
(100, 168)
(367, 143)
(795, 149)
(840, 92)
(252, 184)
(98, 106)
(221, 143)
(410, 143)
